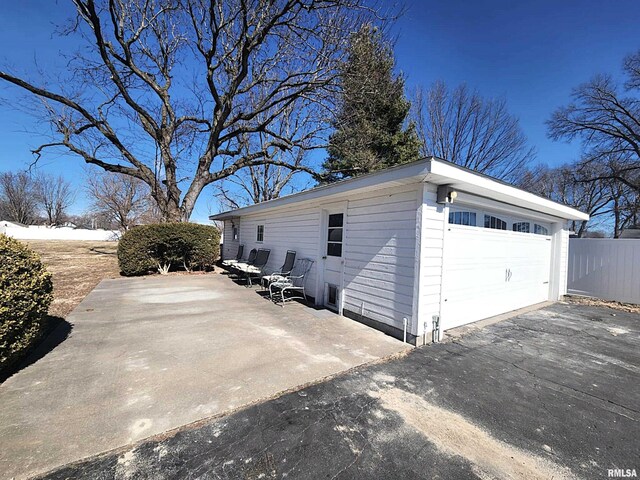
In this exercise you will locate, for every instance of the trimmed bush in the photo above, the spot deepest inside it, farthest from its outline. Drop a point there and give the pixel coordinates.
(168, 246)
(26, 291)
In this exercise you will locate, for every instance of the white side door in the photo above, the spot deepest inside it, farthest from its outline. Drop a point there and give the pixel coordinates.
(333, 257)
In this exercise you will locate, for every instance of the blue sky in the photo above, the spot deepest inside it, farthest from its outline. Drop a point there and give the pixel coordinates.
(530, 52)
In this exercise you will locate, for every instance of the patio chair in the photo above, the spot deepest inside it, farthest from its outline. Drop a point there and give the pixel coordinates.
(257, 268)
(228, 263)
(253, 253)
(293, 283)
(285, 270)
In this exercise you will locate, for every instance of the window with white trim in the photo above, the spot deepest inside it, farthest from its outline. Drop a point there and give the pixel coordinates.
(235, 233)
(524, 227)
(463, 218)
(334, 235)
(260, 234)
(540, 230)
(494, 222)
(472, 217)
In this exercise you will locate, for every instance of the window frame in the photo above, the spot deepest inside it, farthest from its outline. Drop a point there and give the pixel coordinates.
(521, 223)
(497, 221)
(461, 213)
(331, 243)
(538, 226)
(510, 220)
(260, 233)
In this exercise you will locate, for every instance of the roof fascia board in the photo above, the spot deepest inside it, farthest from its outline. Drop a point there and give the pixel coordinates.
(502, 192)
(433, 170)
(469, 200)
(401, 174)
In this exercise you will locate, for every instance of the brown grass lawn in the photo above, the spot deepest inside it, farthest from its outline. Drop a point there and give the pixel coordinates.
(77, 267)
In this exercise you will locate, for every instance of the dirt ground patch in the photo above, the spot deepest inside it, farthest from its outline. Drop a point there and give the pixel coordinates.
(452, 434)
(77, 267)
(596, 302)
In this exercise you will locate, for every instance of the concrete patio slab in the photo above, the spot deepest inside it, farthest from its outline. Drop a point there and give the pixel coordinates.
(147, 355)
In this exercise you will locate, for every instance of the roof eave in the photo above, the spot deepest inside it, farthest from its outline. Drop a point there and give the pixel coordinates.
(402, 173)
(443, 172)
(433, 170)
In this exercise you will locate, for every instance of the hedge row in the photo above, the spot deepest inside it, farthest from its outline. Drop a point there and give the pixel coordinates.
(26, 291)
(168, 246)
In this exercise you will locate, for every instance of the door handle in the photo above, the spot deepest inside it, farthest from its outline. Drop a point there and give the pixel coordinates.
(324, 257)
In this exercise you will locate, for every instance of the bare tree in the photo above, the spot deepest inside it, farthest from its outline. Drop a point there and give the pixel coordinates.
(121, 199)
(606, 118)
(18, 198)
(306, 130)
(257, 184)
(462, 127)
(565, 184)
(626, 206)
(166, 91)
(54, 196)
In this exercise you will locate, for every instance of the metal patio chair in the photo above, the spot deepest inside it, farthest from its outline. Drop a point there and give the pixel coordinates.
(228, 263)
(253, 253)
(293, 283)
(257, 268)
(285, 270)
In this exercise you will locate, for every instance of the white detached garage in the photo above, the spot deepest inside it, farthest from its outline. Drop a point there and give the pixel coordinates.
(425, 245)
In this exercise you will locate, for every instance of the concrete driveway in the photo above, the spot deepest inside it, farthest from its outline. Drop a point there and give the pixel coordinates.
(551, 394)
(151, 354)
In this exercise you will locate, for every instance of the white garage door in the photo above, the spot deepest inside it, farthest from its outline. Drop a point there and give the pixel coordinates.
(488, 272)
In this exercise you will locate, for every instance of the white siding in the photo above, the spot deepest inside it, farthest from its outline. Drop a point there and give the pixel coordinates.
(433, 222)
(230, 246)
(290, 228)
(605, 268)
(380, 254)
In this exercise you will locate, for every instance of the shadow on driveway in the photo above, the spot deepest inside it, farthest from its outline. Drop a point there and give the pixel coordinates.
(57, 330)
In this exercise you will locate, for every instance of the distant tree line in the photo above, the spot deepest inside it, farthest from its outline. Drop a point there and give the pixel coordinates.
(29, 199)
(117, 201)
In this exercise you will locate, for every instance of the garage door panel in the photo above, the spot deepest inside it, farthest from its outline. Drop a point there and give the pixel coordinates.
(488, 272)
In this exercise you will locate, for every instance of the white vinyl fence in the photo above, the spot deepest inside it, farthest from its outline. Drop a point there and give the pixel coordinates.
(605, 268)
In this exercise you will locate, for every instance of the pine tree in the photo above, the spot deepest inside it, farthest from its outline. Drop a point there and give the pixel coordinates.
(370, 131)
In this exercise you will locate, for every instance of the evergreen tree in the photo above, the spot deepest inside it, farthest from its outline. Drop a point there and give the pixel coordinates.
(370, 131)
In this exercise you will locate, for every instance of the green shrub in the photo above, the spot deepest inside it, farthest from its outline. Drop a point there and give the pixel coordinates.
(168, 246)
(25, 295)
